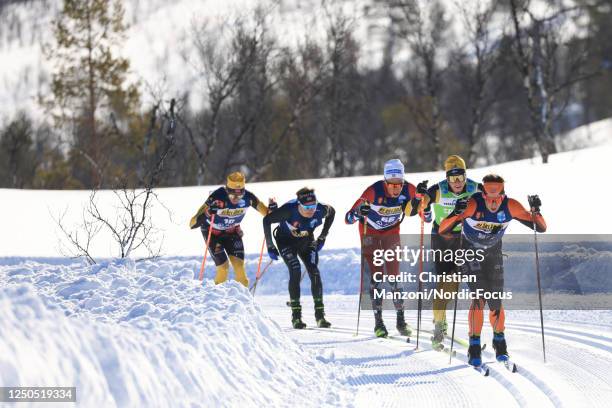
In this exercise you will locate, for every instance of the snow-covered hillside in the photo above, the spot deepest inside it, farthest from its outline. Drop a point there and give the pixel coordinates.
(556, 182)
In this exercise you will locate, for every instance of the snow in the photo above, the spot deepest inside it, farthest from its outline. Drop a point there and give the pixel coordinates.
(147, 334)
(554, 182)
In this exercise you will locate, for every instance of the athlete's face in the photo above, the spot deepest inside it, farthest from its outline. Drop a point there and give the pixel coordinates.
(235, 195)
(456, 183)
(307, 210)
(493, 203)
(394, 187)
(493, 195)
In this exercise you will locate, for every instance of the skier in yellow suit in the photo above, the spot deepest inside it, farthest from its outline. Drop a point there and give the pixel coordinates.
(229, 205)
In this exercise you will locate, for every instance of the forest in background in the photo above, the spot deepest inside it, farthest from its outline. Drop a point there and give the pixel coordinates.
(314, 110)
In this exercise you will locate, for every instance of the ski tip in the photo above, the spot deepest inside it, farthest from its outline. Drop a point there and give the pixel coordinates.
(486, 372)
(514, 368)
(407, 339)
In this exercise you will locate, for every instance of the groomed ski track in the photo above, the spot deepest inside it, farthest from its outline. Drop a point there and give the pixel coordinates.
(391, 372)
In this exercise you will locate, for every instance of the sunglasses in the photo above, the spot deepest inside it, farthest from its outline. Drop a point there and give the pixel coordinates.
(235, 193)
(309, 207)
(497, 199)
(460, 178)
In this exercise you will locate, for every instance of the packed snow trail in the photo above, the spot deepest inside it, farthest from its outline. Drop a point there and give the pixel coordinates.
(393, 373)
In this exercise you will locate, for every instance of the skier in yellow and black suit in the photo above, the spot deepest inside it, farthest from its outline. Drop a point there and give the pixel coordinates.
(229, 204)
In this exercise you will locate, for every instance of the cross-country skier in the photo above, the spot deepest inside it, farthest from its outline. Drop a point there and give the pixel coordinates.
(441, 197)
(383, 205)
(229, 205)
(484, 218)
(294, 237)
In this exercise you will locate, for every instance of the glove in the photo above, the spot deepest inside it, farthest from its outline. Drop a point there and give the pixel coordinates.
(460, 206)
(272, 205)
(317, 244)
(273, 253)
(427, 214)
(534, 203)
(421, 188)
(363, 210)
(214, 207)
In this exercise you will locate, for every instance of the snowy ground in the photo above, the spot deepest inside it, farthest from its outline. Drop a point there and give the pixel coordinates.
(148, 334)
(392, 372)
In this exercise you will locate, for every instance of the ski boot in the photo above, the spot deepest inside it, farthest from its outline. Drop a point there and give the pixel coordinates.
(296, 315)
(320, 314)
(402, 326)
(499, 345)
(474, 357)
(379, 328)
(437, 341)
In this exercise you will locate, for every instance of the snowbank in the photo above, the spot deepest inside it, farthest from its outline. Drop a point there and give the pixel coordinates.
(147, 334)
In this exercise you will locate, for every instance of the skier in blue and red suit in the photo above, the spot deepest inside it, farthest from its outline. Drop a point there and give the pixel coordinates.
(382, 207)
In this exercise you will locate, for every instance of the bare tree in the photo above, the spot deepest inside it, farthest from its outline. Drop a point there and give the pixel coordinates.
(483, 60)
(547, 70)
(343, 96)
(423, 26)
(129, 221)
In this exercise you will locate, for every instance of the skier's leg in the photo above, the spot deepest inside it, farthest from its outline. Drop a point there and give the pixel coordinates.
(475, 314)
(289, 254)
(235, 250)
(497, 315)
(219, 256)
(221, 273)
(239, 270)
(310, 258)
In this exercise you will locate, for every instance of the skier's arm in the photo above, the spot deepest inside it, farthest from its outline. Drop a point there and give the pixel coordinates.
(453, 218)
(524, 217)
(329, 220)
(257, 204)
(413, 207)
(200, 217)
(432, 197)
(433, 193)
(274, 217)
(352, 216)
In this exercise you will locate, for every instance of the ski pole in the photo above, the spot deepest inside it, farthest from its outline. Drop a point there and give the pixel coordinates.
(450, 356)
(365, 231)
(420, 285)
(210, 228)
(263, 243)
(537, 262)
(254, 287)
